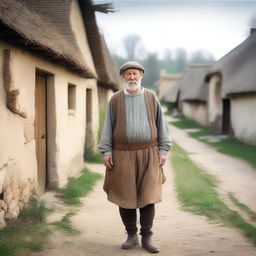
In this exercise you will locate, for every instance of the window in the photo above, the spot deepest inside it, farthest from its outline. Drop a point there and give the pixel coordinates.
(71, 98)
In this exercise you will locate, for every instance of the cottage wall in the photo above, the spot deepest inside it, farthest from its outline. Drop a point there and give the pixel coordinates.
(243, 118)
(66, 129)
(196, 111)
(104, 96)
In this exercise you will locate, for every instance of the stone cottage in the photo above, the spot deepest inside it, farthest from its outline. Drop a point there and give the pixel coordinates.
(191, 92)
(49, 96)
(165, 83)
(232, 92)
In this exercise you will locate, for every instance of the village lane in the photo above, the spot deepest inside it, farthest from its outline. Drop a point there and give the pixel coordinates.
(177, 233)
(232, 175)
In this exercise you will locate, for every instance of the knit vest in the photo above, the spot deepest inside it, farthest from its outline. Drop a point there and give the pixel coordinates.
(119, 116)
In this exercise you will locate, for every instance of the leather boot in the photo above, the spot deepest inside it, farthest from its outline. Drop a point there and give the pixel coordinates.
(147, 244)
(132, 241)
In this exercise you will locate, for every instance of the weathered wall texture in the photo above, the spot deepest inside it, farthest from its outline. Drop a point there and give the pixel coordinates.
(196, 111)
(243, 118)
(104, 97)
(65, 130)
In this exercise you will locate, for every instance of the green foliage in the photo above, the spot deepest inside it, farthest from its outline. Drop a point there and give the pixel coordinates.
(78, 187)
(92, 157)
(34, 210)
(243, 207)
(196, 191)
(236, 148)
(65, 224)
(26, 234)
(229, 146)
(102, 115)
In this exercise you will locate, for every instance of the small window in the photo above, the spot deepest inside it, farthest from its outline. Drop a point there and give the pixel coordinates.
(71, 97)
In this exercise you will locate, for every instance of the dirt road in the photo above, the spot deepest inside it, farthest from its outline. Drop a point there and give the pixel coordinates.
(233, 175)
(177, 233)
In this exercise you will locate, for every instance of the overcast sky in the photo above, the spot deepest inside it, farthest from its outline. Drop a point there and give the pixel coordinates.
(214, 26)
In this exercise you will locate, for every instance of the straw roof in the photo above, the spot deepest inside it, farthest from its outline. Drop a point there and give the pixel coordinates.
(237, 68)
(192, 86)
(107, 71)
(172, 94)
(43, 26)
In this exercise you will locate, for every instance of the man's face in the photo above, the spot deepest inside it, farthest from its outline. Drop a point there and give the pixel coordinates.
(132, 78)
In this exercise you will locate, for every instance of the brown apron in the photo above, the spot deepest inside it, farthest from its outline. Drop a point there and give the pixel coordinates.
(136, 178)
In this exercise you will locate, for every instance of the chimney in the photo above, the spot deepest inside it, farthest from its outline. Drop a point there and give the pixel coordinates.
(253, 31)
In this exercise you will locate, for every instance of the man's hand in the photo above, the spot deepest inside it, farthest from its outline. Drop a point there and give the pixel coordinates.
(108, 162)
(162, 160)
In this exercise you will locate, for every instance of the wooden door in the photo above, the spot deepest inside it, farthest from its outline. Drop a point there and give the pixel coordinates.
(40, 130)
(226, 129)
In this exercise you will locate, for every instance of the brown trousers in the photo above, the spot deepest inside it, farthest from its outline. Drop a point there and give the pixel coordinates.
(129, 218)
(135, 179)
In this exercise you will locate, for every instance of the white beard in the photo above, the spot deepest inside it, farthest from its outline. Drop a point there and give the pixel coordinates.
(132, 85)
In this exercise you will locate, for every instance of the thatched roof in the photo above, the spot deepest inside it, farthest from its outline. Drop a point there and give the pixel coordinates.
(107, 71)
(192, 86)
(43, 26)
(172, 95)
(237, 68)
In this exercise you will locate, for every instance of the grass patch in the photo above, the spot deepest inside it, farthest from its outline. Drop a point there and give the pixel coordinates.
(27, 233)
(236, 148)
(34, 210)
(196, 191)
(65, 224)
(93, 157)
(229, 146)
(78, 187)
(242, 206)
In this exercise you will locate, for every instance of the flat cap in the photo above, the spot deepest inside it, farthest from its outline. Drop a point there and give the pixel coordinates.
(131, 64)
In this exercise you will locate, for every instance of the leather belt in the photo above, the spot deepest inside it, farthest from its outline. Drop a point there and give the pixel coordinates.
(132, 147)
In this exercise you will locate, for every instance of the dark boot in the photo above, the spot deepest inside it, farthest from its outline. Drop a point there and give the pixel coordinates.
(147, 244)
(147, 215)
(129, 218)
(132, 241)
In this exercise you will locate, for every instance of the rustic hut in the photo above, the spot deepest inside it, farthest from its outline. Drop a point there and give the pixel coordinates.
(165, 83)
(193, 93)
(232, 92)
(49, 96)
(173, 97)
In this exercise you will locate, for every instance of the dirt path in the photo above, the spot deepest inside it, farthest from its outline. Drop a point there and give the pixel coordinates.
(177, 233)
(233, 175)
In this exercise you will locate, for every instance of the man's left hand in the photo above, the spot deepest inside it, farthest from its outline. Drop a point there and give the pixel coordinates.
(162, 160)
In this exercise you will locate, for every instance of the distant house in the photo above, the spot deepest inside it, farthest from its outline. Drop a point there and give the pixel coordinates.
(49, 96)
(190, 93)
(165, 83)
(232, 92)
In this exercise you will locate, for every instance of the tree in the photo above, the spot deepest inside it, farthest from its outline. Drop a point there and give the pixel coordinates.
(152, 70)
(201, 56)
(133, 47)
(180, 60)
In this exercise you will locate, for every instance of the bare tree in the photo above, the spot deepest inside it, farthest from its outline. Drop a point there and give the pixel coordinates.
(133, 47)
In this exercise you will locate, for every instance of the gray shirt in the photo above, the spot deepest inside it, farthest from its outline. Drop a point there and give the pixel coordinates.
(137, 125)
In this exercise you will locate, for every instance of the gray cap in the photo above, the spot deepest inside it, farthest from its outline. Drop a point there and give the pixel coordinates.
(131, 64)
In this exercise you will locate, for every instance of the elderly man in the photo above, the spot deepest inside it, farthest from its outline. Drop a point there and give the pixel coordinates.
(135, 141)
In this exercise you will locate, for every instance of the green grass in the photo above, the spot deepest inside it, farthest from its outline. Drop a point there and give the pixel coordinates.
(34, 210)
(93, 157)
(236, 148)
(65, 224)
(27, 233)
(78, 187)
(242, 206)
(229, 146)
(196, 191)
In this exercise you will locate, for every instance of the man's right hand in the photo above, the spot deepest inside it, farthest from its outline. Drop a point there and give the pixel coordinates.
(108, 162)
